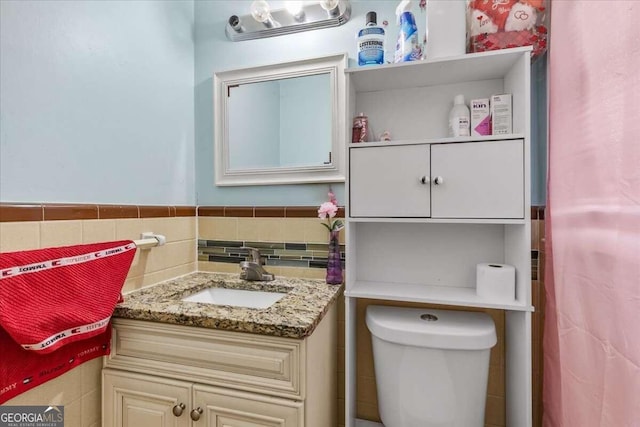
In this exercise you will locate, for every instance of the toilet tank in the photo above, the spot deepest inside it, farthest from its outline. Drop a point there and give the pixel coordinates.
(431, 366)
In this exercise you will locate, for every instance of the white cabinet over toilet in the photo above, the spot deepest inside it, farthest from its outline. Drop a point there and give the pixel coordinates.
(438, 180)
(425, 209)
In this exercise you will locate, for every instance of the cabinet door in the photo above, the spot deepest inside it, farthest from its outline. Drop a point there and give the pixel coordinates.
(478, 180)
(229, 408)
(389, 181)
(134, 400)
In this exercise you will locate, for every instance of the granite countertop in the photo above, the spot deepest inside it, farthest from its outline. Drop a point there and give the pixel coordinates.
(295, 316)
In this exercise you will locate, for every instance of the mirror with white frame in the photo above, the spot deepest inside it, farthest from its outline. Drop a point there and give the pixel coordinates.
(280, 123)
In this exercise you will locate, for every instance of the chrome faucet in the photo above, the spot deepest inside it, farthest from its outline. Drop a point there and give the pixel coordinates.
(252, 267)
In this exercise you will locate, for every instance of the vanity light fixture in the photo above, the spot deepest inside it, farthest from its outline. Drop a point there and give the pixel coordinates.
(297, 16)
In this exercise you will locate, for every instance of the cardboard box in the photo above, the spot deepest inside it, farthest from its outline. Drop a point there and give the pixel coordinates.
(480, 117)
(501, 119)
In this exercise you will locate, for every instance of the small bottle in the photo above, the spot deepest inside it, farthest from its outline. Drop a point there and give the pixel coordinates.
(371, 42)
(360, 128)
(459, 118)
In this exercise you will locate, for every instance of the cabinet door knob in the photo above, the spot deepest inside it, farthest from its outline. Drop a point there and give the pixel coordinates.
(178, 409)
(195, 414)
(438, 180)
(424, 180)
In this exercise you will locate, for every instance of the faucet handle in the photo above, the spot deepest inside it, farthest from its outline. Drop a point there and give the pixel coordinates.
(254, 254)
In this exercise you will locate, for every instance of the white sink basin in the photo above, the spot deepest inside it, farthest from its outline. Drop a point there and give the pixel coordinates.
(236, 297)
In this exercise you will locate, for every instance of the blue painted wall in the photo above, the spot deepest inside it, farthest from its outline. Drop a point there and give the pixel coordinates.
(100, 100)
(97, 102)
(539, 124)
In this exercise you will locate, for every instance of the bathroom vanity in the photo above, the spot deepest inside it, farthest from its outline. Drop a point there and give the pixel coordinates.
(425, 209)
(184, 363)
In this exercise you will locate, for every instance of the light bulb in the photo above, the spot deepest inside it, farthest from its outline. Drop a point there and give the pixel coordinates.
(260, 11)
(331, 6)
(294, 7)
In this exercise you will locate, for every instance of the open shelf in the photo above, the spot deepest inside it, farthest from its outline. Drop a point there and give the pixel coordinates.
(440, 220)
(441, 71)
(421, 293)
(446, 140)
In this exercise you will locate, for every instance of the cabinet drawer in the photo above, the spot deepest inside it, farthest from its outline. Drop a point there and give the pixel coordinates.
(248, 362)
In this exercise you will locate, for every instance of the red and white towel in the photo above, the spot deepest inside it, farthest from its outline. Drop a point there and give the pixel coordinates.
(55, 307)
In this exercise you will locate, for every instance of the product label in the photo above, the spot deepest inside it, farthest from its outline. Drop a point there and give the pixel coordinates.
(371, 30)
(501, 114)
(480, 117)
(408, 48)
(459, 126)
(463, 126)
(371, 46)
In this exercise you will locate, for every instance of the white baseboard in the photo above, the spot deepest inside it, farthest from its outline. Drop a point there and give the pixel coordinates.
(365, 423)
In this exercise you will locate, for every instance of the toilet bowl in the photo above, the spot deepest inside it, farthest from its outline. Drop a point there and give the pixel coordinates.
(431, 366)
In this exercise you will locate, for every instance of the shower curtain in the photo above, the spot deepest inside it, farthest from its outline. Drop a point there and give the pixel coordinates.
(592, 325)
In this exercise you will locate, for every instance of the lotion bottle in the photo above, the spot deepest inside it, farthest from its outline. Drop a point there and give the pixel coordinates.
(459, 118)
(371, 42)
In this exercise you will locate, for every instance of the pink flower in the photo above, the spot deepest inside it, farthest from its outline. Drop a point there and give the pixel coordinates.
(332, 198)
(327, 209)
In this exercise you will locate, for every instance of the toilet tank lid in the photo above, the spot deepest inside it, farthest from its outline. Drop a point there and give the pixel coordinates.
(442, 329)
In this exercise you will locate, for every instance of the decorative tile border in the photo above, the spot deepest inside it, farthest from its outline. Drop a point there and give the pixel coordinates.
(534, 264)
(537, 212)
(56, 211)
(10, 212)
(264, 211)
(282, 254)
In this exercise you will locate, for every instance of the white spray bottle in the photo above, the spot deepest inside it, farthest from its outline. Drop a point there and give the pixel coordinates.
(408, 47)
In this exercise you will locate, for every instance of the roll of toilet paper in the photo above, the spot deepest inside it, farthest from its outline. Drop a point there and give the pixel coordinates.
(496, 282)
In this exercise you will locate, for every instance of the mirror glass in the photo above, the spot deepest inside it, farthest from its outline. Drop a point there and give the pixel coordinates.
(282, 123)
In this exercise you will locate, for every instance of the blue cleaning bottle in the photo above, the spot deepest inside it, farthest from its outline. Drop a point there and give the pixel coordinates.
(408, 47)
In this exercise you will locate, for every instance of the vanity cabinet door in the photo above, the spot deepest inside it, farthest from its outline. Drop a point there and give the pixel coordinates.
(228, 408)
(389, 181)
(132, 400)
(478, 180)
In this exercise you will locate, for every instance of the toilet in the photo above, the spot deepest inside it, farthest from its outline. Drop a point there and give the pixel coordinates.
(431, 366)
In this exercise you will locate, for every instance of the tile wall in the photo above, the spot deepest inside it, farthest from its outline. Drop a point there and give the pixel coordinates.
(24, 227)
(538, 299)
(292, 240)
